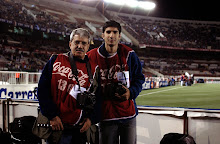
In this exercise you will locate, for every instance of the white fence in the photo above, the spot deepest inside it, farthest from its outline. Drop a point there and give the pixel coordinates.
(152, 122)
(12, 77)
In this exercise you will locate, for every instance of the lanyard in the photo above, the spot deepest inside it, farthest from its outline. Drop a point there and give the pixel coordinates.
(74, 69)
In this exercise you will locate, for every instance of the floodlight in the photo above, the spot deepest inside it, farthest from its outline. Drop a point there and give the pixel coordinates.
(132, 3)
(146, 5)
(117, 2)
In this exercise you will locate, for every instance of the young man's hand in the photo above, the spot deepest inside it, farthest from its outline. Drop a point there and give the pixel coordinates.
(125, 96)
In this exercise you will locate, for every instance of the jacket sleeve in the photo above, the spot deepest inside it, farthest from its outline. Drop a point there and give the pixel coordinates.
(136, 75)
(47, 106)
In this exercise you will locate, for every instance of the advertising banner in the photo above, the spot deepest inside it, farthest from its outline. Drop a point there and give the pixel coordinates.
(19, 91)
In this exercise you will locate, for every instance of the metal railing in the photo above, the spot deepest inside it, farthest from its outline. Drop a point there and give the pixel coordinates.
(17, 77)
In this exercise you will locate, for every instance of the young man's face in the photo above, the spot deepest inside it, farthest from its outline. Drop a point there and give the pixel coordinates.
(111, 37)
(79, 46)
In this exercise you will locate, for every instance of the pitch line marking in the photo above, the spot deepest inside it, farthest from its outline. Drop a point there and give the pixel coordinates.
(160, 91)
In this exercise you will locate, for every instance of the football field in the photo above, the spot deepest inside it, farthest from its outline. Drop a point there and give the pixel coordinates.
(199, 95)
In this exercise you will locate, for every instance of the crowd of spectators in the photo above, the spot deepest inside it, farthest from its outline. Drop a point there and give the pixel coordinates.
(19, 14)
(174, 33)
(23, 53)
(20, 61)
(146, 30)
(176, 62)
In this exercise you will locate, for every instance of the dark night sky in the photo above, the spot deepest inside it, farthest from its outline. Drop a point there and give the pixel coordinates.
(187, 9)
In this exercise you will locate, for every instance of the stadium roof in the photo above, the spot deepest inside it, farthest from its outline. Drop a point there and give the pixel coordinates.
(187, 9)
(107, 5)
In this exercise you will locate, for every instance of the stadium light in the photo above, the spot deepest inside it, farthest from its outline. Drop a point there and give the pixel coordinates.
(116, 2)
(147, 5)
(133, 3)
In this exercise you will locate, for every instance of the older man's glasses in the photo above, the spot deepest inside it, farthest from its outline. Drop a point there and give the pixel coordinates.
(82, 42)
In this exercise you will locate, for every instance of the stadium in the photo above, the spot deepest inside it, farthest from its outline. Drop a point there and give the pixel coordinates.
(31, 31)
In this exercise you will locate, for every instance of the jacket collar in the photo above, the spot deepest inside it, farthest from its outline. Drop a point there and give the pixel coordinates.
(103, 50)
(86, 59)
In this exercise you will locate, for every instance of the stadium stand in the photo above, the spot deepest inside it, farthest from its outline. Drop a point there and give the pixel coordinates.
(31, 31)
(177, 33)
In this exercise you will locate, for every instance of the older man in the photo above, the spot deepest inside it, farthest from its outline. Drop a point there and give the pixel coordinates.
(64, 79)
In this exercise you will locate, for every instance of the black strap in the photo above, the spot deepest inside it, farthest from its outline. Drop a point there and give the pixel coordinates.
(74, 69)
(88, 66)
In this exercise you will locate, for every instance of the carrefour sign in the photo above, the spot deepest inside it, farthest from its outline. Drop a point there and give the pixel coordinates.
(24, 92)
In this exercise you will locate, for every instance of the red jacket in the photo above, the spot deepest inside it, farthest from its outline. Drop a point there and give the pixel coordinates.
(55, 85)
(111, 109)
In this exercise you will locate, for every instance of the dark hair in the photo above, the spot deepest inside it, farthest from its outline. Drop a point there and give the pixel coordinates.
(111, 23)
(177, 138)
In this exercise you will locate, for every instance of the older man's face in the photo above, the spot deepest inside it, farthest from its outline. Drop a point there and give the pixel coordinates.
(79, 46)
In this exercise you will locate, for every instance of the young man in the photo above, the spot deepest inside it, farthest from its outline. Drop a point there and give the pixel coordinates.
(121, 81)
(59, 88)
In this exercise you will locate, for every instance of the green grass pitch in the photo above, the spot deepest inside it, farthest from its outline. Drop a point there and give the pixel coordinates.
(205, 96)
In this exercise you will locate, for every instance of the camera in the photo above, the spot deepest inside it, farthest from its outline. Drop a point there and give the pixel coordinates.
(86, 101)
(119, 88)
(112, 88)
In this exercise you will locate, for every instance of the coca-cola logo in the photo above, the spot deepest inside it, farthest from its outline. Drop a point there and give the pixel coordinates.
(67, 72)
(112, 72)
(62, 70)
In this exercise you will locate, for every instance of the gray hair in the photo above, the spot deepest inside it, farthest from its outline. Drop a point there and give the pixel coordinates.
(81, 32)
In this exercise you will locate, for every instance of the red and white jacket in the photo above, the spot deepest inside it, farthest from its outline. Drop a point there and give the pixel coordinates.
(116, 110)
(55, 88)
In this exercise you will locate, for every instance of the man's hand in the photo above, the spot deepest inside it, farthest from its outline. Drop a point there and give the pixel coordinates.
(86, 125)
(125, 96)
(56, 123)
